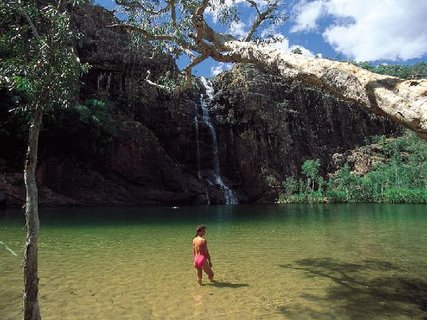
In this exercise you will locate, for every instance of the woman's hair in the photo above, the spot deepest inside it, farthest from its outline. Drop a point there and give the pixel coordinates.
(199, 228)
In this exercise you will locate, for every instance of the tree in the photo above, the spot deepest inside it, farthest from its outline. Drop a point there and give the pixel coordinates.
(290, 186)
(345, 180)
(416, 71)
(180, 25)
(297, 51)
(310, 168)
(38, 63)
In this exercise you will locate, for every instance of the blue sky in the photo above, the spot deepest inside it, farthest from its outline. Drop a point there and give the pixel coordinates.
(379, 31)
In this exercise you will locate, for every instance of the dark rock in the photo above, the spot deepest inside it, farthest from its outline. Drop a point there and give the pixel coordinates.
(360, 160)
(3, 199)
(268, 126)
(11, 185)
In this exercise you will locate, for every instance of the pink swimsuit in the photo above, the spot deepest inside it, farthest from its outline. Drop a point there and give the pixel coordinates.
(199, 260)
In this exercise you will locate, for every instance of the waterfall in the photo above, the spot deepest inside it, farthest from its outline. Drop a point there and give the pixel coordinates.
(213, 176)
(207, 197)
(196, 125)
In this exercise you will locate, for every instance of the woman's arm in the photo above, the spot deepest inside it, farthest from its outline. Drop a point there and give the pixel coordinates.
(208, 256)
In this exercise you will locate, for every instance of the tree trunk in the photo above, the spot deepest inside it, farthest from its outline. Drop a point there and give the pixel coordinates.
(404, 101)
(31, 279)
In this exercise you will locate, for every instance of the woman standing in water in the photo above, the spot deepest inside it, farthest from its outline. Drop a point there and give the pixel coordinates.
(202, 259)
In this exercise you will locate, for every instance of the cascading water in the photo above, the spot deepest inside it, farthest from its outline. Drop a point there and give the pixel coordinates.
(213, 176)
(196, 124)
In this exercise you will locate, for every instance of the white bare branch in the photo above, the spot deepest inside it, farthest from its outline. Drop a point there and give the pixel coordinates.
(402, 101)
(155, 84)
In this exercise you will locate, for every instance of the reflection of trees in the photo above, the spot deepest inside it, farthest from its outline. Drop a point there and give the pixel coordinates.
(359, 293)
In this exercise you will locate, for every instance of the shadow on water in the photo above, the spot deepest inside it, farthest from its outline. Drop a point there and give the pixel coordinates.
(359, 292)
(220, 284)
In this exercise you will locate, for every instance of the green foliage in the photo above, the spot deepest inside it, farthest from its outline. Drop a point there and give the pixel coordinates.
(290, 186)
(401, 179)
(39, 69)
(345, 182)
(174, 82)
(95, 113)
(172, 25)
(225, 14)
(404, 195)
(336, 196)
(84, 131)
(297, 51)
(13, 130)
(310, 168)
(305, 190)
(37, 59)
(38, 66)
(416, 71)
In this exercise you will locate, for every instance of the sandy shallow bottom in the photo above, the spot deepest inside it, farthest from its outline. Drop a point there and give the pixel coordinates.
(284, 266)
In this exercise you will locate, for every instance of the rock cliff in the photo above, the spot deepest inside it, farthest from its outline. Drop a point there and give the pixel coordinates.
(266, 127)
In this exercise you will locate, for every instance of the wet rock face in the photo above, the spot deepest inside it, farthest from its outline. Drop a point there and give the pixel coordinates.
(267, 127)
(117, 74)
(151, 158)
(118, 66)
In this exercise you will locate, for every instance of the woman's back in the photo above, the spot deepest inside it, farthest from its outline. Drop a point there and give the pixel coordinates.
(199, 245)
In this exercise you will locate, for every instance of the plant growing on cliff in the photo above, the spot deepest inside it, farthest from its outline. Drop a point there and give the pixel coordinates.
(310, 168)
(401, 178)
(87, 127)
(305, 190)
(180, 26)
(38, 61)
(416, 71)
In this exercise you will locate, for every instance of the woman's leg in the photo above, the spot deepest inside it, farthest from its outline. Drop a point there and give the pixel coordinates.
(208, 270)
(199, 275)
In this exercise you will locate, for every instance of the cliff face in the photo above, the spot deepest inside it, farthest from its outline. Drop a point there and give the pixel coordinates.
(265, 126)
(149, 159)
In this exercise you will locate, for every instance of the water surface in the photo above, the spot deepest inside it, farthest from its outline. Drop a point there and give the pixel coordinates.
(354, 261)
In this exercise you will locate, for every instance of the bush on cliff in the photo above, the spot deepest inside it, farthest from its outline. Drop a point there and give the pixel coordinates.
(402, 178)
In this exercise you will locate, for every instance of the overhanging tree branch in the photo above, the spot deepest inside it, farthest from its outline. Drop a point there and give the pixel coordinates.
(145, 33)
(402, 101)
(184, 45)
(193, 63)
(132, 4)
(204, 31)
(261, 17)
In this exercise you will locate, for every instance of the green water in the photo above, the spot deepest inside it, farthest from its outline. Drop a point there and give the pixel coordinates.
(354, 261)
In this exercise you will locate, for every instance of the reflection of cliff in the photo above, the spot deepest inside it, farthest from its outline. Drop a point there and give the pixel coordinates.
(265, 128)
